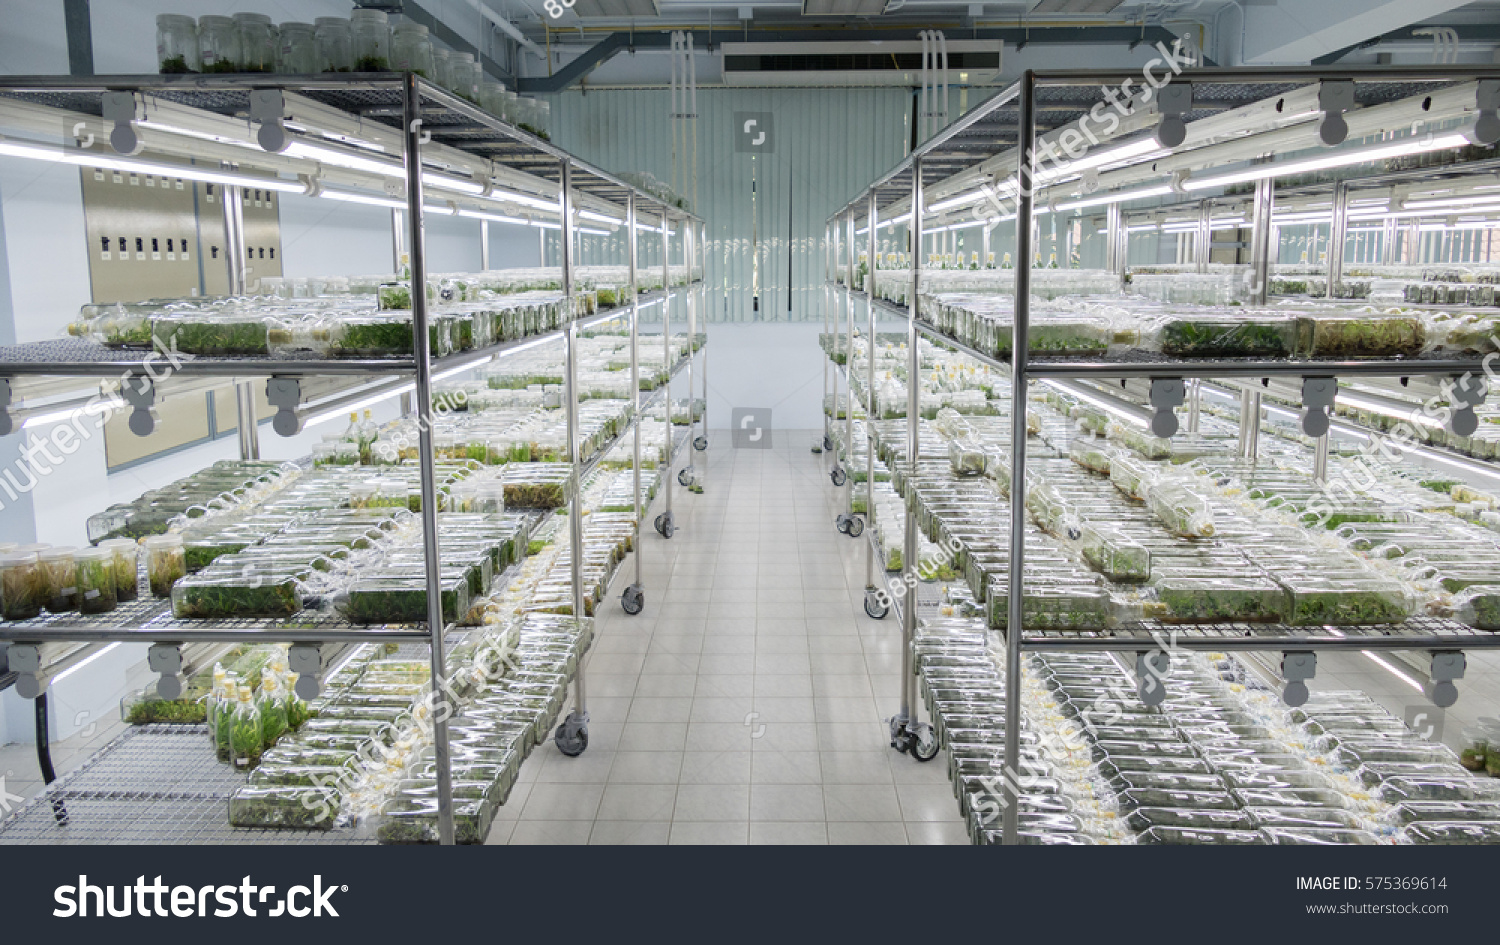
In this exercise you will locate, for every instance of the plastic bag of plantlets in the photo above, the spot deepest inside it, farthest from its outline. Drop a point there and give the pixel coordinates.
(299, 807)
(1213, 334)
(1072, 606)
(1345, 601)
(210, 594)
(1116, 555)
(1180, 509)
(414, 819)
(386, 335)
(1478, 606)
(1363, 335)
(1141, 441)
(376, 599)
(1208, 598)
(215, 335)
(1091, 453)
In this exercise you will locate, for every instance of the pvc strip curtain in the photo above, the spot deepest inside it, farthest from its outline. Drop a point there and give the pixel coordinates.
(826, 144)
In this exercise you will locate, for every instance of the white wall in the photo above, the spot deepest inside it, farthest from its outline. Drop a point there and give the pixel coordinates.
(41, 210)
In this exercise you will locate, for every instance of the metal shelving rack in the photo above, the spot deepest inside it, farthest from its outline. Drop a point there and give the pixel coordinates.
(999, 137)
(432, 131)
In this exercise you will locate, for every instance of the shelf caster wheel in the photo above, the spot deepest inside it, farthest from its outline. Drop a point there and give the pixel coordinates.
(828, 443)
(838, 476)
(700, 444)
(685, 476)
(924, 742)
(633, 600)
(856, 526)
(572, 736)
(873, 607)
(665, 525)
(842, 522)
(918, 740)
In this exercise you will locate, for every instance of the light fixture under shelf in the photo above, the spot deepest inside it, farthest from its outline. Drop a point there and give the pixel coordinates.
(1323, 162)
(82, 158)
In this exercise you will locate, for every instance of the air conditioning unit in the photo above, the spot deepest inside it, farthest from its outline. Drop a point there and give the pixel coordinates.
(896, 63)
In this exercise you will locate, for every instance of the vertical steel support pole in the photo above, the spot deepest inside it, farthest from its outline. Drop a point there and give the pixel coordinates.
(484, 245)
(1260, 241)
(838, 261)
(1250, 402)
(688, 239)
(1388, 241)
(1195, 403)
(411, 126)
(398, 240)
(985, 254)
(1203, 247)
(232, 203)
(827, 311)
(1026, 179)
(849, 354)
(666, 348)
(635, 373)
(245, 420)
(870, 295)
(700, 252)
(913, 417)
(570, 404)
(1338, 236)
(1113, 251)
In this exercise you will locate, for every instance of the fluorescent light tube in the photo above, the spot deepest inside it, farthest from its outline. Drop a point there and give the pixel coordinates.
(1326, 161)
(600, 217)
(1118, 197)
(82, 158)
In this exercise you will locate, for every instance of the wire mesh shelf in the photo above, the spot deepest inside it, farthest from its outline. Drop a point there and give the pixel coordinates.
(155, 784)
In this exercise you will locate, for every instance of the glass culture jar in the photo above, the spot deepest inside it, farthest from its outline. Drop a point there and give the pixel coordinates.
(20, 585)
(411, 49)
(442, 69)
(297, 52)
(465, 74)
(176, 43)
(492, 97)
(335, 39)
(257, 42)
(59, 574)
(127, 566)
(165, 562)
(218, 44)
(372, 40)
(97, 590)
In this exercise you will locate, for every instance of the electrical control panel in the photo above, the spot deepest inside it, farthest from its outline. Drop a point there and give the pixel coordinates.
(151, 236)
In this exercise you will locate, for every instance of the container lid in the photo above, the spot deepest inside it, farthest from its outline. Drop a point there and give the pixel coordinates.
(94, 554)
(57, 551)
(461, 56)
(170, 540)
(374, 16)
(119, 543)
(175, 19)
(252, 18)
(214, 20)
(439, 54)
(407, 26)
(294, 25)
(331, 21)
(10, 559)
(34, 547)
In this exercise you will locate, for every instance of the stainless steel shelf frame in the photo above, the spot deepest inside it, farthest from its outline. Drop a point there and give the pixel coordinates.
(419, 117)
(998, 138)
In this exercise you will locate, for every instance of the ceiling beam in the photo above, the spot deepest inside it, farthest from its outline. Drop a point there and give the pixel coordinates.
(1467, 33)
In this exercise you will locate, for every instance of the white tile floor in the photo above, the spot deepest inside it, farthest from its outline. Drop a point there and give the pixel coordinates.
(746, 704)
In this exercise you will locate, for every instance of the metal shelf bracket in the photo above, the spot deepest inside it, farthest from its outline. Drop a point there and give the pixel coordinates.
(285, 394)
